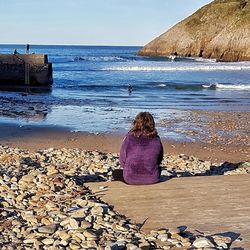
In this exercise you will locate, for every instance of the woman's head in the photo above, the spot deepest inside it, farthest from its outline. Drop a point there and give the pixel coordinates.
(144, 124)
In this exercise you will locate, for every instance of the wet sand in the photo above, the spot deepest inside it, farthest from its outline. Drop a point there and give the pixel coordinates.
(34, 138)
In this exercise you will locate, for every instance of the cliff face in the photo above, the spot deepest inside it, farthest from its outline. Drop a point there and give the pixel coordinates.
(218, 30)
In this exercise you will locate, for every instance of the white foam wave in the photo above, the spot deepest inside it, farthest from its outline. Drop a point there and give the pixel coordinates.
(196, 59)
(227, 86)
(162, 85)
(182, 68)
(100, 58)
(200, 59)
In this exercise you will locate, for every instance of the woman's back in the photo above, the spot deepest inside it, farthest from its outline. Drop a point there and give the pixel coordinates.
(140, 157)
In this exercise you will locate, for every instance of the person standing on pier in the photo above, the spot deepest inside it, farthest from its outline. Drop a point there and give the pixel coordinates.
(27, 49)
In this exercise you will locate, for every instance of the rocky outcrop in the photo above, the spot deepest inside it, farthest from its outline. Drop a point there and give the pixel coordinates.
(219, 30)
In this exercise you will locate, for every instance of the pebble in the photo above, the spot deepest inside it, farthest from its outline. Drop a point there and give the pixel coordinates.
(73, 223)
(49, 229)
(64, 242)
(97, 211)
(163, 237)
(85, 224)
(219, 239)
(48, 241)
(29, 241)
(144, 246)
(174, 230)
(63, 235)
(203, 242)
(89, 235)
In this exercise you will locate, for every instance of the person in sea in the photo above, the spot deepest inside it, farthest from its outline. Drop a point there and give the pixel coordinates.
(141, 152)
(130, 88)
(27, 49)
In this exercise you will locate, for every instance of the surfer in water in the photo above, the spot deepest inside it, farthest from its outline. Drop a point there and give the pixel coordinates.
(27, 49)
(130, 88)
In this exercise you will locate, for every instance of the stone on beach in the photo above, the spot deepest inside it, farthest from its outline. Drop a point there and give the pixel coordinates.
(48, 241)
(203, 242)
(49, 229)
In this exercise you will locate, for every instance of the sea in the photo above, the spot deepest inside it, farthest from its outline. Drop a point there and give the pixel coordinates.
(100, 89)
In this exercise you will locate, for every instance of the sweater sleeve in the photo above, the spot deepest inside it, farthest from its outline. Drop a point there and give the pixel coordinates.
(123, 152)
(160, 158)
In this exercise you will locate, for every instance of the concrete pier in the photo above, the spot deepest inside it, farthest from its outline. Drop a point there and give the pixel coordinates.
(25, 70)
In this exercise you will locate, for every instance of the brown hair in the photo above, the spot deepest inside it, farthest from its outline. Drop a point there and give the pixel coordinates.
(144, 124)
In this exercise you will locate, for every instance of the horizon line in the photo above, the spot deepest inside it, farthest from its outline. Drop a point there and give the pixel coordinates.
(57, 44)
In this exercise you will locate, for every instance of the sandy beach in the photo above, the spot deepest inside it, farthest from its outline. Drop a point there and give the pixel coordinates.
(35, 138)
(214, 136)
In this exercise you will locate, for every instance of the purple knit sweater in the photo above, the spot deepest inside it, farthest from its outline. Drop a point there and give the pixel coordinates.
(140, 158)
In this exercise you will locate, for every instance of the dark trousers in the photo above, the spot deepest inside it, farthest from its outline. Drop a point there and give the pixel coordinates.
(118, 175)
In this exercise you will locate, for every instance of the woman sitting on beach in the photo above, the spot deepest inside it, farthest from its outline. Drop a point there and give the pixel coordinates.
(141, 152)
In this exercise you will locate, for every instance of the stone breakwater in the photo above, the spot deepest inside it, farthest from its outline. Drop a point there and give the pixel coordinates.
(45, 205)
(25, 70)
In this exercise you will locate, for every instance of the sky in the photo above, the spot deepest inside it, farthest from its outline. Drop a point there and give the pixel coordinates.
(90, 22)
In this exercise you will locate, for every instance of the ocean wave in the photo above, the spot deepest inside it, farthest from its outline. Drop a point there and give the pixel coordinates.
(149, 86)
(175, 58)
(181, 68)
(200, 59)
(69, 59)
(101, 58)
(152, 86)
(162, 85)
(227, 86)
(93, 86)
(180, 86)
(61, 59)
